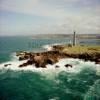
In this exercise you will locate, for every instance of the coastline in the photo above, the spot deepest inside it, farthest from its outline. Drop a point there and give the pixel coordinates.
(56, 52)
(53, 60)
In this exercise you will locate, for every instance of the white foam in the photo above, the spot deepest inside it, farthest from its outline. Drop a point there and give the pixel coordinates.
(47, 47)
(77, 66)
(13, 65)
(14, 57)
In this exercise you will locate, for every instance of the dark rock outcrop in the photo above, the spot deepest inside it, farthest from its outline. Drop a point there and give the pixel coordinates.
(68, 65)
(57, 66)
(23, 65)
(97, 61)
(40, 59)
(6, 65)
(51, 57)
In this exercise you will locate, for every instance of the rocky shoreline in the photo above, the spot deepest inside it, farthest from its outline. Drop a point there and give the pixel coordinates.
(53, 56)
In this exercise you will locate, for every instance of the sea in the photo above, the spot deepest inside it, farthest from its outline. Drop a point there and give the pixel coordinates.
(81, 82)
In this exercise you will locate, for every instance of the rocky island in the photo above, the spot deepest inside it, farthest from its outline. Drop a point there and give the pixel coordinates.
(41, 59)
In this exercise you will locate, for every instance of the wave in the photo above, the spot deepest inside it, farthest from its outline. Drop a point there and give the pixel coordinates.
(77, 66)
(13, 57)
(48, 47)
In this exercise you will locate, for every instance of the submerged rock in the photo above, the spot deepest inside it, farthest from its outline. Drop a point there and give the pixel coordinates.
(68, 65)
(57, 66)
(6, 65)
(23, 65)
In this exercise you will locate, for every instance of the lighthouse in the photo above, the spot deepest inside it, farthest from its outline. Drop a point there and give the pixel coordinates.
(74, 38)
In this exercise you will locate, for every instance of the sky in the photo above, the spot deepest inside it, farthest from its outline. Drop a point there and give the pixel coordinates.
(29, 17)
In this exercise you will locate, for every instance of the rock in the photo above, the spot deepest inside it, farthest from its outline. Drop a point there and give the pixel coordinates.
(38, 58)
(40, 65)
(23, 65)
(7, 65)
(57, 66)
(20, 53)
(68, 65)
(24, 55)
(57, 47)
(97, 61)
(43, 65)
(20, 66)
(30, 62)
(49, 61)
(37, 65)
(21, 58)
(53, 56)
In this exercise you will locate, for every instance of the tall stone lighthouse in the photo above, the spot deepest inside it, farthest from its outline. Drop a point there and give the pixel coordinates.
(74, 38)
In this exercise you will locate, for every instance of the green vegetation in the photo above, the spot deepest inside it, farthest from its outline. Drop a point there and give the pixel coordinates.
(81, 49)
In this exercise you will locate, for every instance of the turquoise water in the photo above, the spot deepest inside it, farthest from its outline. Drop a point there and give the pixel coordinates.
(29, 85)
(9, 45)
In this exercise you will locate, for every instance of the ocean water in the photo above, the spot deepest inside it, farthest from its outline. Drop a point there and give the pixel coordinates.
(82, 82)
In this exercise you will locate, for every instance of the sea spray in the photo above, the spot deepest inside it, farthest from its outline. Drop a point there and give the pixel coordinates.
(48, 47)
(77, 66)
(13, 57)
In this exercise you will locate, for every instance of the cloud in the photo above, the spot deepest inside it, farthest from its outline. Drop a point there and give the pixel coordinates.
(33, 7)
(64, 15)
(50, 8)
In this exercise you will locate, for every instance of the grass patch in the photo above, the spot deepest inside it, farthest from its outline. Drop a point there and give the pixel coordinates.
(81, 49)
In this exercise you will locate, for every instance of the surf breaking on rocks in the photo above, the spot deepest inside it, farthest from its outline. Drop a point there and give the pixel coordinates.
(55, 62)
(77, 66)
